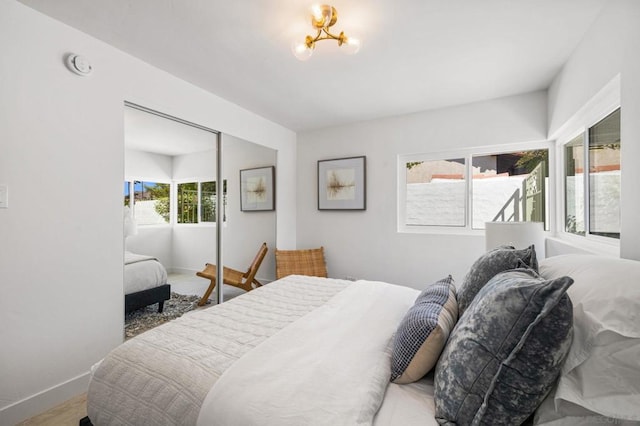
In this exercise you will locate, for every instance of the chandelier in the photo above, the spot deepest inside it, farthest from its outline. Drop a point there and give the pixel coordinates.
(323, 17)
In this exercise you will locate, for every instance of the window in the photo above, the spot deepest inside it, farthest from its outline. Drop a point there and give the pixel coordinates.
(574, 185)
(208, 201)
(471, 188)
(187, 202)
(150, 201)
(127, 192)
(436, 193)
(510, 187)
(592, 180)
(197, 202)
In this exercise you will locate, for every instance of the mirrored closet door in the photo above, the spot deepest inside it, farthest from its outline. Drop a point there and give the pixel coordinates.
(172, 199)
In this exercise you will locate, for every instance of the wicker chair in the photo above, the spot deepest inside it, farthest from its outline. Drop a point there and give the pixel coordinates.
(244, 280)
(301, 262)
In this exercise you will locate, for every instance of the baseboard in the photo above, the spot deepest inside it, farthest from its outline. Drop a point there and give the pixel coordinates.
(182, 271)
(43, 401)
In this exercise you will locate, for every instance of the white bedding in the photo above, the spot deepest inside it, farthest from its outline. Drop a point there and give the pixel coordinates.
(142, 272)
(164, 375)
(408, 405)
(329, 367)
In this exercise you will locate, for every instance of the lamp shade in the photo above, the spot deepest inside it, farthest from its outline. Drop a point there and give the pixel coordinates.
(516, 234)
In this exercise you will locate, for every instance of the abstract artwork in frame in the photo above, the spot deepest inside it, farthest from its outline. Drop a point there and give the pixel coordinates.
(342, 184)
(257, 190)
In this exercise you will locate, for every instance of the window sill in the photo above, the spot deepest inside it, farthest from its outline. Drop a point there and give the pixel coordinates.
(440, 230)
(198, 225)
(569, 243)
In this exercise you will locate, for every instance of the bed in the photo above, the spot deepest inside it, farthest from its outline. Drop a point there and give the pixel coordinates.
(310, 350)
(145, 282)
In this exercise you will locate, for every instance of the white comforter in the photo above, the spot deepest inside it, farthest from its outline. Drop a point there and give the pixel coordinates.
(300, 350)
(142, 272)
(161, 377)
(329, 367)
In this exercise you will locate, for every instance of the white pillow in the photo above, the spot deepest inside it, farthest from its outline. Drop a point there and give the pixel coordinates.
(601, 371)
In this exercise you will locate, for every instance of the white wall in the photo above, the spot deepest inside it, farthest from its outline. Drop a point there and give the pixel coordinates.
(186, 248)
(608, 49)
(246, 231)
(365, 244)
(193, 246)
(148, 166)
(62, 146)
(155, 240)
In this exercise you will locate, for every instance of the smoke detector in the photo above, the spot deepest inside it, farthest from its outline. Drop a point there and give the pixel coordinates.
(78, 64)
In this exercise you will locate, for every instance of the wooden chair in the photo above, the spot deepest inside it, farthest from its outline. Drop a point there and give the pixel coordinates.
(301, 262)
(244, 280)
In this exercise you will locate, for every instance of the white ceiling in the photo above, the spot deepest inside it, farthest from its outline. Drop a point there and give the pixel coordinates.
(416, 54)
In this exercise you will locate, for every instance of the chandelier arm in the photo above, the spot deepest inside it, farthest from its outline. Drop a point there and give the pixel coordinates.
(310, 41)
(328, 36)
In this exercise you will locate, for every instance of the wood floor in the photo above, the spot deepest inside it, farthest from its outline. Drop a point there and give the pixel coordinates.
(68, 413)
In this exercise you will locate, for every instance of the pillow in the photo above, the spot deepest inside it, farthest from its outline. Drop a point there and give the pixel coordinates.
(506, 351)
(601, 373)
(488, 265)
(423, 332)
(567, 414)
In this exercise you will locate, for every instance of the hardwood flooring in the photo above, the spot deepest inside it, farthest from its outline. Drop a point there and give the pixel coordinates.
(68, 413)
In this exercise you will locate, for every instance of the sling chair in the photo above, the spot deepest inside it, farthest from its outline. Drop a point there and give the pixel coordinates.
(243, 280)
(301, 262)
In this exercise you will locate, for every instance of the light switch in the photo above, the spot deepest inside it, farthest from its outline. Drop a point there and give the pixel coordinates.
(4, 196)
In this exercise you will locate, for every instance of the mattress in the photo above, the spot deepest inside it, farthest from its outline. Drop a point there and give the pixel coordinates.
(142, 273)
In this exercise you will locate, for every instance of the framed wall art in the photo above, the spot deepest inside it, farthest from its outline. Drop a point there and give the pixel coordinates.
(257, 189)
(342, 184)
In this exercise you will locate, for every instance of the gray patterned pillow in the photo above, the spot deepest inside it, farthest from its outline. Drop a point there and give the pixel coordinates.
(506, 351)
(488, 265)
(424, 331)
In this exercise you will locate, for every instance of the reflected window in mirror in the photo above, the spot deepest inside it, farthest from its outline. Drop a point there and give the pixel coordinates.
(149, 201)
(127, 194)
(197, 202)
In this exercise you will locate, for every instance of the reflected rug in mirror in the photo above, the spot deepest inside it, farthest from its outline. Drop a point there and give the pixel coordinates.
(144, 319)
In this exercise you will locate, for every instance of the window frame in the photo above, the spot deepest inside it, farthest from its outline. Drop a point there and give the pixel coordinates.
(199, 182)
(604, 103)
(402, 193)
(562, 211)
(467, 153)
(132, 202)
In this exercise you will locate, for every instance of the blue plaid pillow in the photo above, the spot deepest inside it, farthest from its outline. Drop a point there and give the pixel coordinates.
(424, 331)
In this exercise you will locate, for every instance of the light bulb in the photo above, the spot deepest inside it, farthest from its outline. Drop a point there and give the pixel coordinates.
(321, 15)
(301, 51)
(351, 46)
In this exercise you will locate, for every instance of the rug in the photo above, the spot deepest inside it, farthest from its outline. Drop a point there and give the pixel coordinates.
(144, 319)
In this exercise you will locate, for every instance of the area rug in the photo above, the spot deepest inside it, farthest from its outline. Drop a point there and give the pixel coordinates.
(144, 319)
